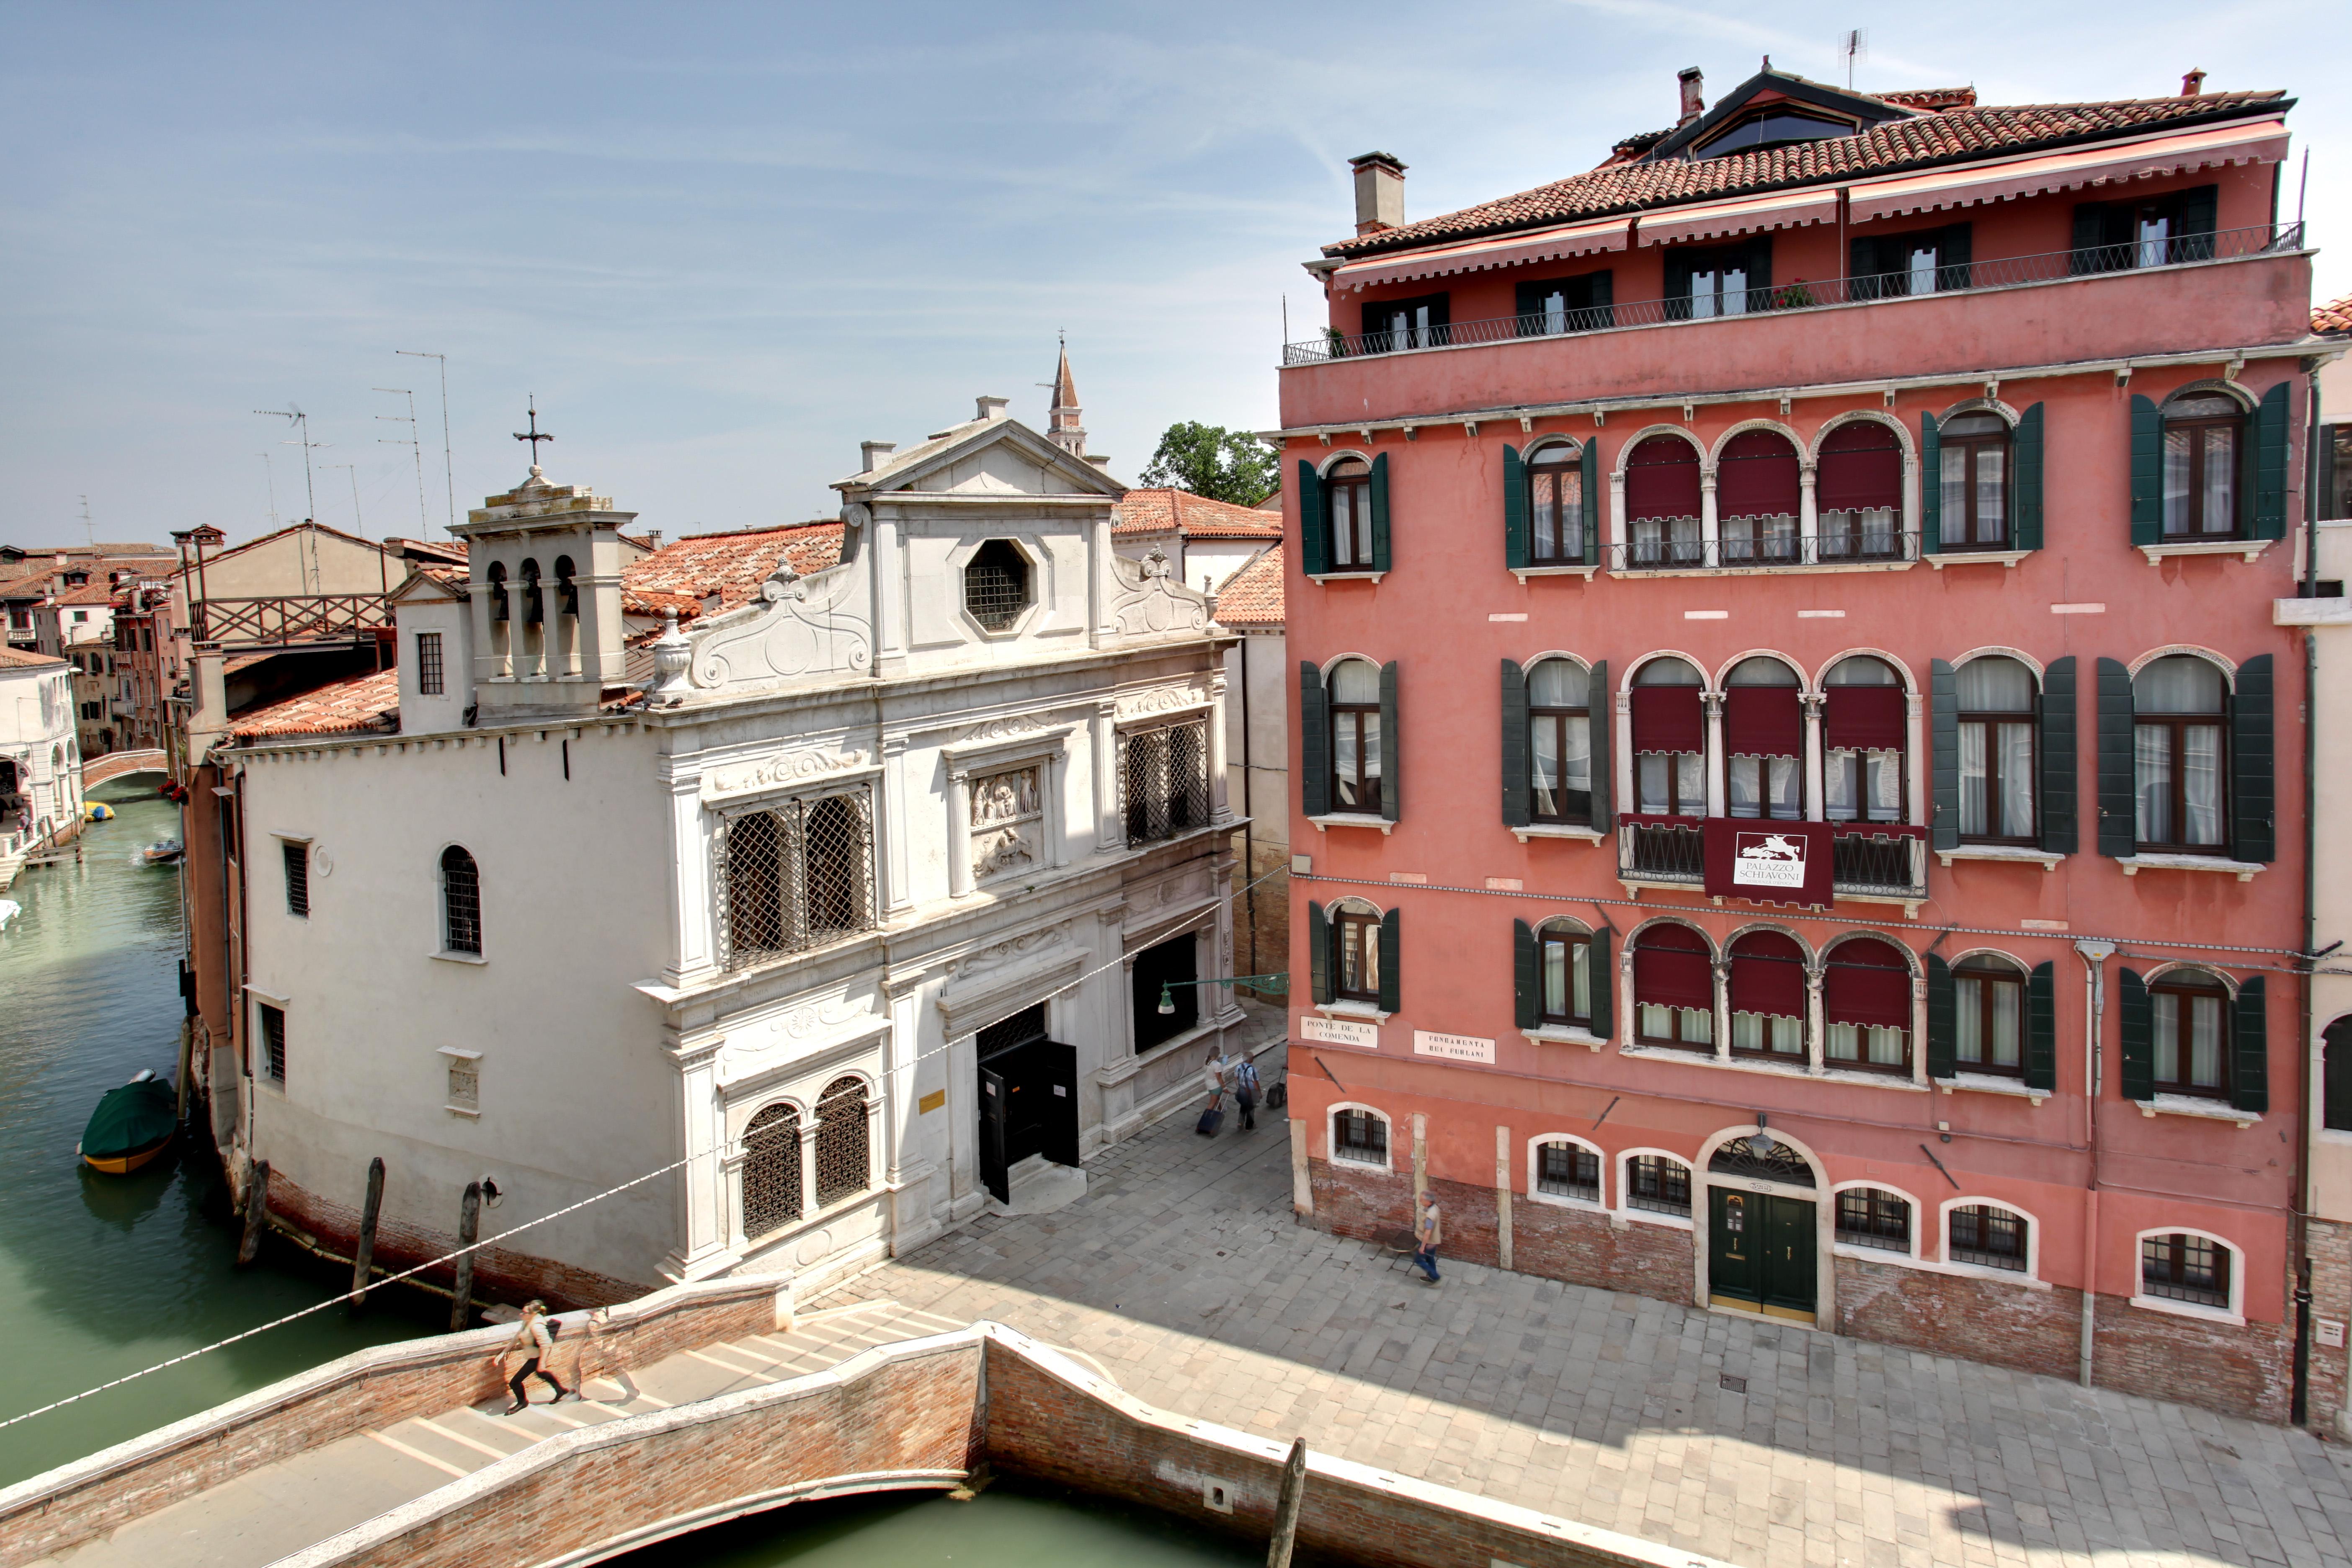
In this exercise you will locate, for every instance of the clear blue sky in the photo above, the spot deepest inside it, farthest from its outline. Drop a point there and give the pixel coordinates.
(723, 245)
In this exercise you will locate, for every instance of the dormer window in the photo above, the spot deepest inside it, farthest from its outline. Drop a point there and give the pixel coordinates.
(1773, 128)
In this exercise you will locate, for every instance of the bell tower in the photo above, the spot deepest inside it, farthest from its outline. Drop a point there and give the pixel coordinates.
(1062, 426)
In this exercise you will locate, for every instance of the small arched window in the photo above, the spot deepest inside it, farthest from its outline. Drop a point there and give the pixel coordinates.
(1348, 504)
(1974, 482)
(1559, 748)
(1866, 720)
(1662, 503)
(1866, 1002)
(1988, 1015)
(1872, 1216)
(1555, 507)
(1356, 952)
(1669, 739)
(2179, 770)
(1359, 1136)
(2204, 446)
(1756, 500)
(771, 1171)
(1566, 1170)
(1989, 1236)
(534, 608)
(2188, 1032)
(1564, 977)
(2181, 1267)
(1659, 1183)
(1356, 753)
(500, 608)
(1673, 989)
(1859, 491)
(1767, 997)
(461, 902)
(1997, 759)
(1764, 733)
(843, 1162)
(567, 592)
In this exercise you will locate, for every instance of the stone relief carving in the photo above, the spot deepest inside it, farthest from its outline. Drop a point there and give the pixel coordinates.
(988, 960)
(818, 1018)
(1013, 726)
(1146, 601)
(798, 627)
(1160, 699)
(792, 767)
(1006, 820)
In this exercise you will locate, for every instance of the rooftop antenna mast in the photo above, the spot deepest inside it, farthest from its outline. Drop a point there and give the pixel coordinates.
(294, 416)
(447, 477)
(1853, 44)
(89, 529)
(415, 448)
(270, 470)
(360, 523)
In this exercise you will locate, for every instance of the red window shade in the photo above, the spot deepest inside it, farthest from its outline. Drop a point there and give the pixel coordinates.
(1758, 476)
(1867, 719)
(1862, 466)
(1662, 479)
(1668, 719)
(1671, 969)
(1768, 975)
(1763, 721)
(1868, 983)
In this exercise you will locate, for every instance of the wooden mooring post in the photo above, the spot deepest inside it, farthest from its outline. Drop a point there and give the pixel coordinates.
(1286, 1515)
(469, 1228)
(256, 1213)
(364, 1256)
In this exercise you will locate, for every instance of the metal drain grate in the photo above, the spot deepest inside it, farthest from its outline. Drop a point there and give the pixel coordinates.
(1731, 1385)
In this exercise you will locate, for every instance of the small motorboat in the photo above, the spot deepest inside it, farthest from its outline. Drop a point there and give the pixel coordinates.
(132, 1125)
(163, 852)
(97, 811)
(9, 910)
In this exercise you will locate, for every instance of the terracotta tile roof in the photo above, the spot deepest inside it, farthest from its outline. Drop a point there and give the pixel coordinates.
(1931, 98)
(1196, 517)
(88, 594)
(351, 706)
(1253, 595)
(684, 574)
(2333, 318)
(1955, 135)
(24, 658)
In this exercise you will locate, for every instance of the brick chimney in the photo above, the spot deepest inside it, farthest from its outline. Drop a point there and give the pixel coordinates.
(1693, 103)
(1380, 191)
(2192, 84)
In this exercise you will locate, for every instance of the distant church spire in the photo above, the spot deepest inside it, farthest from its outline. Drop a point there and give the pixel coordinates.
(1062, 426)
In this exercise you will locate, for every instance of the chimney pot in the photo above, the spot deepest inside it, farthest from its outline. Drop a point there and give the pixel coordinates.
(2192, 84)
(991, 408)
(877, 452)
(1694, 95)
(1380, 191)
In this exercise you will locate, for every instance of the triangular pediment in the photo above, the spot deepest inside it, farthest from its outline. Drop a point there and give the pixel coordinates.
(987, 457)
(424, 588)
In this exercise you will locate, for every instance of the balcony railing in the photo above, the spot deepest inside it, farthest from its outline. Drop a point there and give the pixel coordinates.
(1657, 852)
(1806, 294)
(1867, 859)
(288, 618)
(1864, 543)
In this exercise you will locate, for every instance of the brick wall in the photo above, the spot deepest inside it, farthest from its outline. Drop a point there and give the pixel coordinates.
(1267, 906)
(2234, 1371)
(2329, 1246)
(1946, 1314)
(1585, 1246)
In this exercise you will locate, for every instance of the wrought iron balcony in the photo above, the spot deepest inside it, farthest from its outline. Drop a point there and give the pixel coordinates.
(1649, 850)
(1868, 860)
(1843, 540)
(1810, 294)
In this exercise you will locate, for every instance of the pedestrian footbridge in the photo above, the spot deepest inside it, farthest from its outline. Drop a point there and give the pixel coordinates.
(119, 764)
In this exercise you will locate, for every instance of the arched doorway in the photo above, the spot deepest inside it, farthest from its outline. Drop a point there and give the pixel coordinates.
(1762, 1249)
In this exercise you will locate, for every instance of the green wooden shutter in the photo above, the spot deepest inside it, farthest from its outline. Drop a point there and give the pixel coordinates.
(1391, 747)
(1678, 284)
(1861, 270)
(1954, 249)
(1604, 975)
(1314, 528)
(1392, 943)
(1381, 512)
(2090, 233)
(2041, 1028)
(2118, 819)
(1943, 1020)
(1515, 510)
(1590, 462)
(2253, 784)
(1759, 272)
(1601, 730)
(1318, 953)
(2136, 1024)
(1313, 741)
(2059, 800)
(1944, 723)
(1516, 769)
(2269, 423)
(1531, 301)
(2146, 472)
(2201, 210)
(2250, 1066)
(1523, 974)
(1931, 486)
(2028, 446)
(1602, 300)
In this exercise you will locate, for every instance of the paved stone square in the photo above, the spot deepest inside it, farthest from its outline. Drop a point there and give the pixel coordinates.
(1184, 1275)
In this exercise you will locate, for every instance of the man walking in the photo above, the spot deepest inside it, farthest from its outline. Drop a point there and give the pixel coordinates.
(1428, 1231)
(1245, 1093)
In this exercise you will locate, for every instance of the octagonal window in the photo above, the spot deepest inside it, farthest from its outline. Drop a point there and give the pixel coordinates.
(996, 585)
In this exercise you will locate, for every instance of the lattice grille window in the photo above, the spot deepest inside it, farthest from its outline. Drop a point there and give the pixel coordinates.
(461, 901)
(1163, 781)
(843, 1167)
(795, 875)
(771, 1171)
(1008, 823)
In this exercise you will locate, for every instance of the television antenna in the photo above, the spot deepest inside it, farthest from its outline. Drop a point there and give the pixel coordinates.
(1853, 44)
(298, 420)
(360, 523)
(448, 477)
(89, 529)
(414, 448)
(270, 470)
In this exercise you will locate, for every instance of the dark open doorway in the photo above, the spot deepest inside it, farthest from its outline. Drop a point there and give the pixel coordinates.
(1173, 966)
(1028, 1097)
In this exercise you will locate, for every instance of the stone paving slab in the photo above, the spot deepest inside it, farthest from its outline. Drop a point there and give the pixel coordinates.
(1185, 1275)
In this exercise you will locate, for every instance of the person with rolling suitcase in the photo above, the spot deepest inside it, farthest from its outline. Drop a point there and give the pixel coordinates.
(1245, 1093)
(1213, 1079)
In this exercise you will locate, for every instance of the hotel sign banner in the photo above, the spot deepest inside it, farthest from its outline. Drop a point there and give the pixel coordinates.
(1768, 862)
(1340, 1032)
(1453, 1047)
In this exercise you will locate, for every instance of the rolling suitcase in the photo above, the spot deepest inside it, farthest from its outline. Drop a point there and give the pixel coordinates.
(1211, 1120)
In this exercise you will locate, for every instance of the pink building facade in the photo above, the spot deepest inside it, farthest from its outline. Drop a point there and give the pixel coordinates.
(1799, 792)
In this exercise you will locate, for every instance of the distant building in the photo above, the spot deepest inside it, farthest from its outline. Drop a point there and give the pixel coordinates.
(1257, 753)
(40, 763)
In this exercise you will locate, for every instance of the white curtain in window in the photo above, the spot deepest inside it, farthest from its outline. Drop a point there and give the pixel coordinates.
(2175, 480)
(2016, 742)
(2220, 487)
(2201, 781)
(1974, 801)
(2152, 770)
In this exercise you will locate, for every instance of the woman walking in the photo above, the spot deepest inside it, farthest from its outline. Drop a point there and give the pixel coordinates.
(536, 1345)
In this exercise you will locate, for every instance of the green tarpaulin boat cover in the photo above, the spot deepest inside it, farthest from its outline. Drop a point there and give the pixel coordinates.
(130, 1118)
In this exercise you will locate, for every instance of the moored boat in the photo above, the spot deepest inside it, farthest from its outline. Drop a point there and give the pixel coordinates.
(132, 1125)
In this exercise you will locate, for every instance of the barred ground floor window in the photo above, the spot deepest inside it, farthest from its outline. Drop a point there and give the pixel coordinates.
(771, 1171)
(844, 1166)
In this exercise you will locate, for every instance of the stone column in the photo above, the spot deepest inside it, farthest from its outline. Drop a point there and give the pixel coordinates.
(958, 832)
(1709, 529)
(693, 913)
(1913, 479)
(1503, 1196)
(1718, 765)
(1809, 512)
(710, 1223)
(1054, 784)
(897, 894)
(1816, 1024)
(1099, 629)
(1621, 756)
(1110, 835)
(1221, 810)
(1619, 531)
(889, 597)
(592, 659)
(808, 1163)
(1420, 1161)
(1816, 761)
(1722, 968)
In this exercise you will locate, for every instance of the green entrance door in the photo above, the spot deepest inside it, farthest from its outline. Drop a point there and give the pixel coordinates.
(1761, 1252)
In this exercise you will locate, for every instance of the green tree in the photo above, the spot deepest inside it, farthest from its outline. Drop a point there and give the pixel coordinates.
(1210, 461)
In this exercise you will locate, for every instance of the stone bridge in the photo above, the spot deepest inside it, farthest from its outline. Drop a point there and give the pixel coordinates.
(118, 764)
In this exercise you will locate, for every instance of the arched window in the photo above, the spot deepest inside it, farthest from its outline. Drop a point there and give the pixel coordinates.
(1988, 1235)
(2188, 1032)
(1974, 482)
(1988, 1015)
(1564, 977)
(1669, 740)
(1764, 731)
(843, 1164)
(1659, 1183)
(1865, 722)
(1872, 1216)
(1866, 1002)
(461, 902)
(1998, 760)
(534, 611)
(1567, 1170)
(2335, 1073)
(2179, 781)
(1359, 1136)
(1662, 503)
(2182, 1266)
(1560, 739)
(771, 1171)
(1355, 687)
(1756, 500)
(1555, 507)
(2204, 443)
(1673, 989)
(1356, 952)
(1858, 490)
(1767, 997)
(499, 609)
(1348, 501)
(567, 591)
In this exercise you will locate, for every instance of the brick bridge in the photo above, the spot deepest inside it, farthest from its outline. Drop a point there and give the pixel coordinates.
(118, 764)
